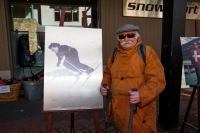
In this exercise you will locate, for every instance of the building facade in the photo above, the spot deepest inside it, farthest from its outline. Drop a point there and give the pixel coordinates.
(109, 14)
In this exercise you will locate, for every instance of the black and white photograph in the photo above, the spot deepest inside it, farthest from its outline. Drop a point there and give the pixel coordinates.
(191, 59)
(73, 68)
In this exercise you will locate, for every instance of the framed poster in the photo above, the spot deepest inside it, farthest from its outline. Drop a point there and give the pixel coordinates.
(72, 68)
(191, 59)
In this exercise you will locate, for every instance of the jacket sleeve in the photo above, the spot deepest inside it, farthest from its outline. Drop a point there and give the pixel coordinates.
(107, 79)
(59, 58)
(154, 78)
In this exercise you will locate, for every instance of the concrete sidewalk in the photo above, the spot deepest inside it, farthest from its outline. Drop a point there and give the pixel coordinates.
(23, 116)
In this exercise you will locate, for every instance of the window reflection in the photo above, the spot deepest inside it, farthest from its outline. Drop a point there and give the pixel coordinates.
(24, 63)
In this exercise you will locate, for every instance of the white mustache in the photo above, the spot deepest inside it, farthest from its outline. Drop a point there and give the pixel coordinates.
(126, 42)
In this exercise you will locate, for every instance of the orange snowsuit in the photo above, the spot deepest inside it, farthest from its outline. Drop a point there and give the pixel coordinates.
(129, 71)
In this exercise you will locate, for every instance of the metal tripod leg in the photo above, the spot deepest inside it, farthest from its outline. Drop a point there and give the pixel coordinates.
(188, 109)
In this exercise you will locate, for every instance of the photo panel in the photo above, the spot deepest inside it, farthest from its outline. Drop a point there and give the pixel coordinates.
(72, 68)
(191, 59)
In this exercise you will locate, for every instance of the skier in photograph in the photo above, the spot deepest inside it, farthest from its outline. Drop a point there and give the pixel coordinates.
(195, 59)
(71, 60)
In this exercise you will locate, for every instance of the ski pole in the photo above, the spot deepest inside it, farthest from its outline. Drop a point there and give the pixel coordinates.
(105, 106)
(74, 66)
(132, 110)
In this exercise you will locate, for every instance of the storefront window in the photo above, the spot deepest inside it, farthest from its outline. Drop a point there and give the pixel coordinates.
(71, 13)
(28, 18)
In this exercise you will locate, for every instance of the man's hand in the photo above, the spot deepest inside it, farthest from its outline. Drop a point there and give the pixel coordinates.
(58, 64)
(104, 90)
(134, 97)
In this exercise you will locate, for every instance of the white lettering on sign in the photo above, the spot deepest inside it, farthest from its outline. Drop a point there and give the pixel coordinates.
(154, 8)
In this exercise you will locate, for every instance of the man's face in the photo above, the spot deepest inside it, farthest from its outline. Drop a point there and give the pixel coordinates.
(195, 45)
(127, 39)
(54, 49)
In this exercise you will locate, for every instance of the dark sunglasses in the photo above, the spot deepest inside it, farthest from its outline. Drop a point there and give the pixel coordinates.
(123, 36)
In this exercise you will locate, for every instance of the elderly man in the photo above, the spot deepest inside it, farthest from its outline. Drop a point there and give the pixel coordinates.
(129, 71)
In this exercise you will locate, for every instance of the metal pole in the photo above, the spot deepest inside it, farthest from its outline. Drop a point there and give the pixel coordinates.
(32, 11)
(132, 110)
(105, 106)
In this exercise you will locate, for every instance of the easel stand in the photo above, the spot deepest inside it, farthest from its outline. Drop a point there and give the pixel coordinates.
(195, 87)
(50, 115)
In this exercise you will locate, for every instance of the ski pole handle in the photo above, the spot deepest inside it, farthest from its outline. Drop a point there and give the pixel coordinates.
(133, 106)
(132, 110)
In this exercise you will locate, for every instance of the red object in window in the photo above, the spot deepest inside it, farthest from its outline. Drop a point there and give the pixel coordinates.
(85, 24)
(62, 17)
